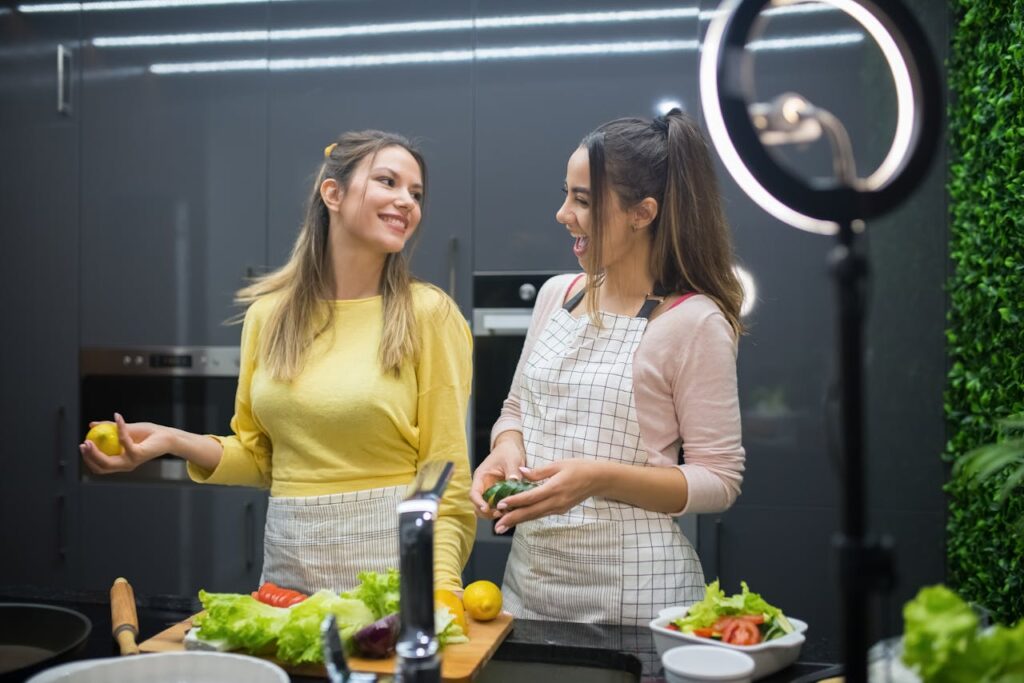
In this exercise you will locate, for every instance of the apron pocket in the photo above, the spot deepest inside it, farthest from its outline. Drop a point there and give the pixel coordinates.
(325, 541)
(574, 572)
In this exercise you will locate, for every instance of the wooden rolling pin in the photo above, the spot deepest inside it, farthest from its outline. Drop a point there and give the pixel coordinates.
(123, 618)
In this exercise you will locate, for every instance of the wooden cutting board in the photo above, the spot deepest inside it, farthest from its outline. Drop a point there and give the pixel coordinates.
(459, 663)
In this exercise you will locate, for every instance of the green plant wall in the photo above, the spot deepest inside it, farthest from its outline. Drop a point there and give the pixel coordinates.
(985, 334)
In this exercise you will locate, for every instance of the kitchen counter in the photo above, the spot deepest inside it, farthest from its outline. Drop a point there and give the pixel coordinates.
(624, 648)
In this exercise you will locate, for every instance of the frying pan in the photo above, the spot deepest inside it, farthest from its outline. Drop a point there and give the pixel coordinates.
(34, 637)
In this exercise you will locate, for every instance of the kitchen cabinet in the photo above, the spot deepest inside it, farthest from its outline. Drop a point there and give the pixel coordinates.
(174, 159)
(323, 86)
(532, 108)
(39, 193)
(172, 539)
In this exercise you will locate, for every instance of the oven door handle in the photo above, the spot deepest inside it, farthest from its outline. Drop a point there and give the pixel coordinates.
(491, 322)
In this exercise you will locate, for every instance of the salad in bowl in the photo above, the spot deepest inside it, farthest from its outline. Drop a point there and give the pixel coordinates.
(745, 622)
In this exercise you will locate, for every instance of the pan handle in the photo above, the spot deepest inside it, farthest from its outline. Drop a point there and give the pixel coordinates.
(123, 618)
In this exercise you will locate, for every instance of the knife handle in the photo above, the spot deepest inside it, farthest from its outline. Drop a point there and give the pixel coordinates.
(123, 618)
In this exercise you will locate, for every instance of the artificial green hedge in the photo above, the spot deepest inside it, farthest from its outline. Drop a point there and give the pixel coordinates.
(985, 334)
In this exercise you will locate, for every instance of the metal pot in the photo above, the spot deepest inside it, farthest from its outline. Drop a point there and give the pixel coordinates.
(34, 637)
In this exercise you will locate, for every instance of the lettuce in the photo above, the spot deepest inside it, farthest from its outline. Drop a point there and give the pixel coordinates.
(447, 630)
(291, 634)
(716, 605)
(942, 643)
(379, 591)
(299, 639)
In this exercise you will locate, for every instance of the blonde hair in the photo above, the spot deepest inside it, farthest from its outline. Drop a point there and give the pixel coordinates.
(305, 283)
(667, 159)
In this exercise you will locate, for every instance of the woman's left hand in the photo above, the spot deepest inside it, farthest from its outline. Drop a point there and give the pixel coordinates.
(568, 483)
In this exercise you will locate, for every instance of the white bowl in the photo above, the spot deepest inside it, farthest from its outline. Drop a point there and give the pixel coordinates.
(700, 663)
(167, 667)
(769, 656)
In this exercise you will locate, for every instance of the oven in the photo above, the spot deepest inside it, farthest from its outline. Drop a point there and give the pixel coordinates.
(166, 534)
(188, 387)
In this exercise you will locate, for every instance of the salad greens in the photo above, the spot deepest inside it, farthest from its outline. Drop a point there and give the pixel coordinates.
(292, 634)
(715, 605)
(942, 643)
(379, 591)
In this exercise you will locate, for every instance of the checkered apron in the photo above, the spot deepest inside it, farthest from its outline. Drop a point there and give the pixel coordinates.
(603, 561)
(314, 542)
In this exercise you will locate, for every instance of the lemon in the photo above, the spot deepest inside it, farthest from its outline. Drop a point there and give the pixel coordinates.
(482, 600)
(104, 435)
(445, 598)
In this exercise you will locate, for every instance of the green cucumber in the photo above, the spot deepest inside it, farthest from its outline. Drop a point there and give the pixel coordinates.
(504, 489)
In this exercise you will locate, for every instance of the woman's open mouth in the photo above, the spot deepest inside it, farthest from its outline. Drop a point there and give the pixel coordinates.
(580, 246)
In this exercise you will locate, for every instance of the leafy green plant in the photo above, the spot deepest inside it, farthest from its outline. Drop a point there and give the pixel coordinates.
(986, 296)
(1003, 459)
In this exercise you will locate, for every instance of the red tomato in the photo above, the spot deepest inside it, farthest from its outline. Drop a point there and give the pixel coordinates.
(671, 626)
(741, 632)
(275, 596)
(704, 632)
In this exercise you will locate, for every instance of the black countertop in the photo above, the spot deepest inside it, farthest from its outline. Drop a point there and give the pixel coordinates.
(625, 648)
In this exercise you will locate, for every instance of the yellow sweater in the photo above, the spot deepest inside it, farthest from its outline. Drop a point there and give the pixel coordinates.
(344, 425)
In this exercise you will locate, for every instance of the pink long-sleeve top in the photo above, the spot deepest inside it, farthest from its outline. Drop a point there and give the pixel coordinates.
(684, 384)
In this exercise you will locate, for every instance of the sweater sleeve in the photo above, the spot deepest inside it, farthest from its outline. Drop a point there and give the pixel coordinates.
(707, 408)
(444, 377)
(246, 457)
(548, 299)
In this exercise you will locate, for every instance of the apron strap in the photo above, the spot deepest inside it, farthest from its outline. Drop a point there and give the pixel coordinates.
(575, 300)
(654, 299)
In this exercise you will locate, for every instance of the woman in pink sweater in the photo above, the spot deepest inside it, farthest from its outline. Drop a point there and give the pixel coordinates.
(624, 406)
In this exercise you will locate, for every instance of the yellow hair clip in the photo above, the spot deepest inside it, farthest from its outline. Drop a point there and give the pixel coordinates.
(328, 149)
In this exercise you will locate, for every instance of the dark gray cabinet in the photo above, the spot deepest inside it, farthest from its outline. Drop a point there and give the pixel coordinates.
(39, 194)
(368, 73)
(174, 159)
(172, 539)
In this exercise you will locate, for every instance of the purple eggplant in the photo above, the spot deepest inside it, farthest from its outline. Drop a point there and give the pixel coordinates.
(378, 639)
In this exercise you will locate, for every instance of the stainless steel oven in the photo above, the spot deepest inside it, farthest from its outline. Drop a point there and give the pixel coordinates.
(188, 387)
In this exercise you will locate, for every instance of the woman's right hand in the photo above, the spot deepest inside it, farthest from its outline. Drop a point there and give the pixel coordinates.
(141, 441)
(502, 463)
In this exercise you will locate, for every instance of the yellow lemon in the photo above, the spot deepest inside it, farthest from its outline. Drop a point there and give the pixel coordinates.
(445, 598)
(482, 600)
(104, 435)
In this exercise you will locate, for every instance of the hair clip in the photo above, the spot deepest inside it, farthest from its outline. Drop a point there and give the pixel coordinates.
(328, 149)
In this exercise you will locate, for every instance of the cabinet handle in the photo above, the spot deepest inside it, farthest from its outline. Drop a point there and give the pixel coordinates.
(63, 80)
(250, 536)
(62, 527)
(453, 254)
(59, 440)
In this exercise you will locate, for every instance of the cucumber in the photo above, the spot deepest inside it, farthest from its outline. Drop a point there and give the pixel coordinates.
(504, 489)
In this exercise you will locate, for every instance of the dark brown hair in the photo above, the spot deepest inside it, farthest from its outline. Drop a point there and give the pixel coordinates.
(668, 160)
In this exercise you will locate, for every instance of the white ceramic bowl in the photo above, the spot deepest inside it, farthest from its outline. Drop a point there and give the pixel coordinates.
(768, 657)
(166, 667)
(706, 663)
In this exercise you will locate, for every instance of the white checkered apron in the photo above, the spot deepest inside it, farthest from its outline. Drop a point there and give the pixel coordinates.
(315, 542)
(603, 561)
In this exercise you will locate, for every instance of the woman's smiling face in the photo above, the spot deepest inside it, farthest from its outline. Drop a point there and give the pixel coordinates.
(382, 205)
(576, 213)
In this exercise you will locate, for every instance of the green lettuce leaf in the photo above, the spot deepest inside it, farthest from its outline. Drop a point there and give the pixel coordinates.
(298, 641)
(448, 631)
(716, 605)
(241, 620)
(379, 591)
(942, 643)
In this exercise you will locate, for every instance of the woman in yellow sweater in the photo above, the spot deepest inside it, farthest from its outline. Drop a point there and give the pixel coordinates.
(352, 377)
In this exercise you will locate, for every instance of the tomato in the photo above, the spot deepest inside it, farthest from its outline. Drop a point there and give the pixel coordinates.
(708, 632)
(275, 596)
(741, 632)
(671, 626)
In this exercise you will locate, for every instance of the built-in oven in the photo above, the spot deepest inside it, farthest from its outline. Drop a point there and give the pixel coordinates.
(188, 387)
(154, 526)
